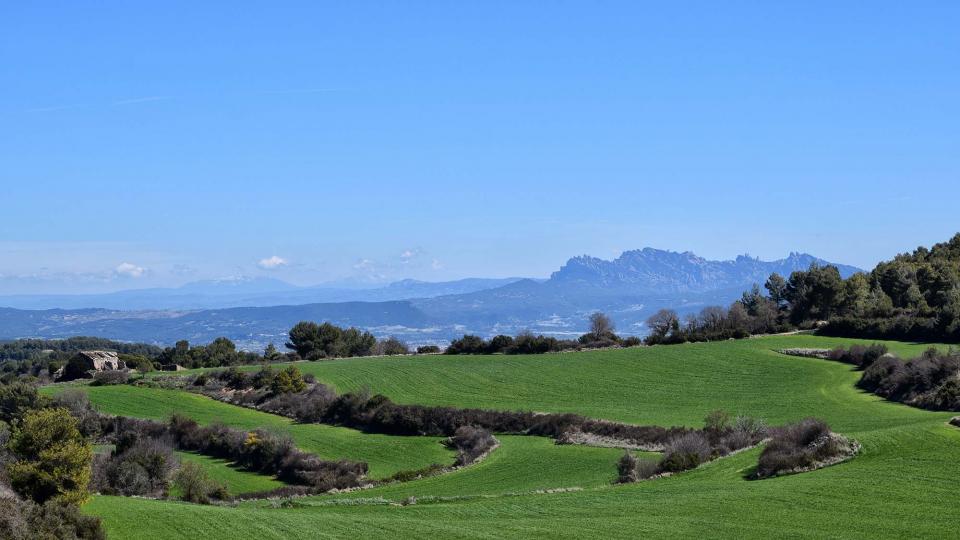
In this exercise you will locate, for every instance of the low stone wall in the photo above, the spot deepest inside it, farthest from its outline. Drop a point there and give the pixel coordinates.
(823, 354)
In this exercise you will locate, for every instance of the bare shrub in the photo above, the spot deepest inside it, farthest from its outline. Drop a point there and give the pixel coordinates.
(77, 402)
(142, 469)
(195, 484)
(106, 378)
(797, 446)
(631, 468)
(686, 452)
(471, 443)
(627, 468)
(647, 468)
(858, 355)
(26, 520)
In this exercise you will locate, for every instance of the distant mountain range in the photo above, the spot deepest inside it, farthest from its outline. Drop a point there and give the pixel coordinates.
(255, 312)
(247, 292)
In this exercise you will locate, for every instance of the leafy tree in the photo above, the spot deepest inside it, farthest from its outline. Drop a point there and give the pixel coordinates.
(17, 398)
(752, 299)
(181, 352)
(815, 293)
(312, 341)
(136, 361)
(468, 344)
(305, 339)
(220, 352)
(53, 458)
(288, 380)
(500, 343)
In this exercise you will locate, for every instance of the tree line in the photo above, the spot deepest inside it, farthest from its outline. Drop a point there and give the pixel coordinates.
(915, 296)
(600, 335)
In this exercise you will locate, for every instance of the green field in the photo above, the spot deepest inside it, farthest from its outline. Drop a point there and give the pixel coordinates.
(903, 484)
(520, 465)
(237, 481)
(385, 455)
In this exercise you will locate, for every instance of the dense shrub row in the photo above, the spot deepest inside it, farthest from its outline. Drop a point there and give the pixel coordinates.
(525, 343)
(601, 335)
(27, 520)
(858, 355)
(528, 343)
(265, 453)
(107, 378)
(929, 381)
(801, 446)
(720, 436)
(377, 414)
(138, 466)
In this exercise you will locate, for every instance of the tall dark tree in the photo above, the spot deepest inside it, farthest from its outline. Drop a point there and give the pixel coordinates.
(777, 288)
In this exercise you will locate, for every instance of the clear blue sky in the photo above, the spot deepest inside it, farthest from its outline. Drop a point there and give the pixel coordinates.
(152, 145)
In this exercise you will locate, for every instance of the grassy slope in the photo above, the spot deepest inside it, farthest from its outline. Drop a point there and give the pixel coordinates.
(902, 485)
(667, 385)
(237, 481)
(520, 465)
(385, 455)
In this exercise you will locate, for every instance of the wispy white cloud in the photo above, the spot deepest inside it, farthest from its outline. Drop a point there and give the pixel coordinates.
(408, 255)
(145, 99)
(371, 270)
(272, 263)
(126, 269)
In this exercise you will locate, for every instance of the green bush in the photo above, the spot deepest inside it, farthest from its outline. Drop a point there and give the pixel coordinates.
(53, 458)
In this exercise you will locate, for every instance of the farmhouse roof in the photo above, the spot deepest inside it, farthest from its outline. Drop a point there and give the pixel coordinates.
(102, 359)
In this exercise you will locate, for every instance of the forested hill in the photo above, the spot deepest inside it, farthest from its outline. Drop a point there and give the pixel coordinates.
(914, 296)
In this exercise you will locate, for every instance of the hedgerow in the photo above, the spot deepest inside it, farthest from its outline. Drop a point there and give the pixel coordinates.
(928, 381)
(802, 446)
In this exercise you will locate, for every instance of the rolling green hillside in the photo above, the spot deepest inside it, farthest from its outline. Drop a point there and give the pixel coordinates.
(903, 484)
(662, 385)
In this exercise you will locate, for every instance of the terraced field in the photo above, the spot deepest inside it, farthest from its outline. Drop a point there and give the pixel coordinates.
(903, 483)
(385, 455)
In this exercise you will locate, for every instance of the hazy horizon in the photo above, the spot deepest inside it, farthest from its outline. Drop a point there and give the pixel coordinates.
(147, 146)
(109, 282)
